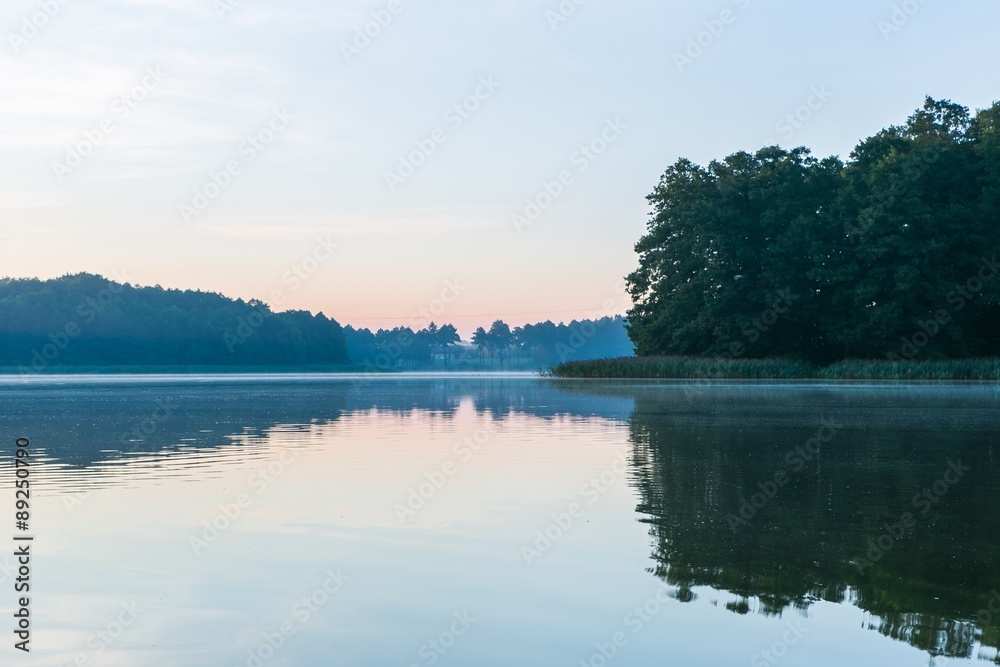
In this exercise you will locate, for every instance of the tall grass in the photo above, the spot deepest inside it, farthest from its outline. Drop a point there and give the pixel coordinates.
(778, 369)
(946, 369)
(685, 367)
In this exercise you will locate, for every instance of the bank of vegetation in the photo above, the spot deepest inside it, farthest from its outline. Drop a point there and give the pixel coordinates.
(86, 321)
(881, 266)
(499, 347)
(779, 369)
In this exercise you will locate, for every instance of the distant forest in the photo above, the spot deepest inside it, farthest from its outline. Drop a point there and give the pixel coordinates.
(87, 320)
(531, 347)
(890, 255)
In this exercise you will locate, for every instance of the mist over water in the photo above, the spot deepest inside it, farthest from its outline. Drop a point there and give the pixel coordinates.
(495, 520)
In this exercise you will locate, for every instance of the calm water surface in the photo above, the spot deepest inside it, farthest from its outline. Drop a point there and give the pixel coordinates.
(495, 521)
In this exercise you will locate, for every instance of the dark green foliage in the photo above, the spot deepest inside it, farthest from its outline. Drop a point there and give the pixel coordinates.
(88, 320)
(686, 368)
(391, 349)
(550, 343)
(532, 346)
(777, 254)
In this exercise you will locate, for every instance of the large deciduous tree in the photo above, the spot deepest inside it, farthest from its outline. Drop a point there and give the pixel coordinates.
(778, 253)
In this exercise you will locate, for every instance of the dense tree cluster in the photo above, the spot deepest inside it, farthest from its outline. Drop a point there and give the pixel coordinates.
(580, 340)
(88, 320)
(892, 254)
(401, 347)
(531, 346)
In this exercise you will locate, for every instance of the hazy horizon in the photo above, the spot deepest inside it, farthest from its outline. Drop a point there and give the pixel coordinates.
(163, 96)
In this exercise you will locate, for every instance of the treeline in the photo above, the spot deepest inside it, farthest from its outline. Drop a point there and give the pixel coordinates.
(89, 320)
(891, 255)
(532, 346)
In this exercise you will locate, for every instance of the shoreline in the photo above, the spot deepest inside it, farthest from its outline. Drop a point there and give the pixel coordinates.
(8, 376)
(693, 368)
(678, 369)
(354, 369)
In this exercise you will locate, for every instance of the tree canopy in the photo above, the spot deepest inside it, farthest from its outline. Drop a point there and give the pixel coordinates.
(88, 320)
(532, 345)
(891, 254)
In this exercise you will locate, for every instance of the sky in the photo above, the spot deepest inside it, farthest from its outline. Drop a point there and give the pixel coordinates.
(392, 161)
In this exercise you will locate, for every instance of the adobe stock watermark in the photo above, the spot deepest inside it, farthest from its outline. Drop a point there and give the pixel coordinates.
(780, 305)
(418, 496)
(582, 332)
(8, 568)
(144, 428)
(901, 14)
(247, 151)
(86, 311)
(634, 622)
(296, 276)
(123, 107)
(434, 649)
(562, 13)
(224, 7)
(886, 200)
(33, 24)
(562, 522)
(245, 327)
(924, 500)
(959, 297)
(796, 119)
(392, 352)
(107, 637)
(301, 613)
(454, 118)
(366, 34)
(228, 514)
(772, 655)
(752, 331)
(987, 614)
(713, 29)
(795, 461)
(580, 161)
(129, 441)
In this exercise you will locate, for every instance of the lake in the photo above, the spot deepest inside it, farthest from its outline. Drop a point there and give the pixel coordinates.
(498, 520)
